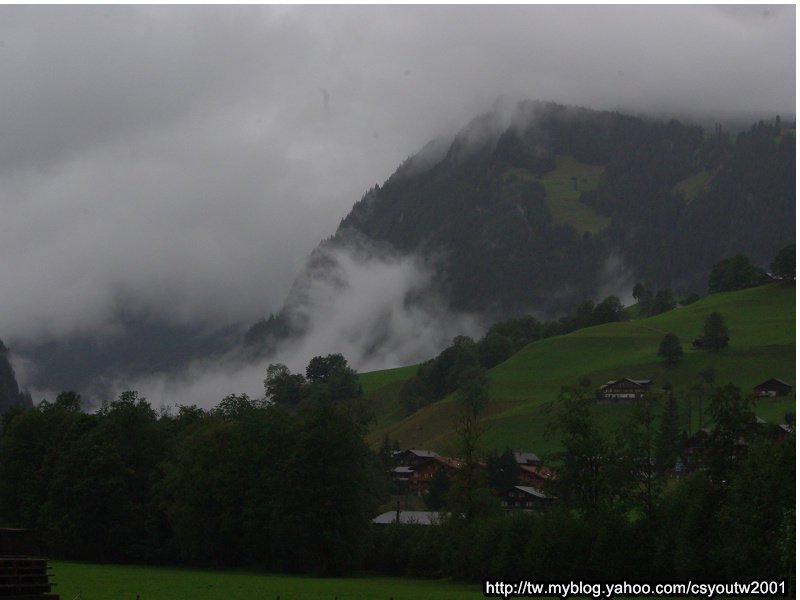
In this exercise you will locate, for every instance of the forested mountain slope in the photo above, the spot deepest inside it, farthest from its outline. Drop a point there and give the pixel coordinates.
(538, 210)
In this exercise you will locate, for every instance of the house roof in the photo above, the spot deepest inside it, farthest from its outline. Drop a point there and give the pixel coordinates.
(526, 457)
(403, 470)
(422, 453)
(542, 472)
(531, 491)
(640, 382)
(409, 517)
(772, 380)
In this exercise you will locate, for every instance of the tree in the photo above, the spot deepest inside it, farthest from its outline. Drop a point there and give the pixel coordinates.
(783, 265)
(469, 494)
(632, 473)
(662, 302)
(732, 274)
(581, 482)
(472, 394)
(494, 349)
(733, 416)
(340, 497)
(503, 470)
(608, 311)
(640, 290)
(670, 349)
(283, 387)
(331, 375)
(643, 296)
(715, 332)
(437, 494)
(668, 440)
(753, 512)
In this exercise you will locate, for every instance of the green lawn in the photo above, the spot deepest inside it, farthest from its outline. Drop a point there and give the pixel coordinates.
(761, 323)
(118, 582)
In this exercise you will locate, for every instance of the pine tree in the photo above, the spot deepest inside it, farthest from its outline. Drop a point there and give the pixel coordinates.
(670, 349)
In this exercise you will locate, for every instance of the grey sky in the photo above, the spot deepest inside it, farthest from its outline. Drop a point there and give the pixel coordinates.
(183, 161)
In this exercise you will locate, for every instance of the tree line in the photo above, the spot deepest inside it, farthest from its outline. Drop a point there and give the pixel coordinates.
(245, 483)
(294, 488)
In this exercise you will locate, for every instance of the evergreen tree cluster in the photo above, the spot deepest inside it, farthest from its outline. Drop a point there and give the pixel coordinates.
(499, 251)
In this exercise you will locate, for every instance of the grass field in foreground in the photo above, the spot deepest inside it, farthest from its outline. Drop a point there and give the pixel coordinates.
(125, 582)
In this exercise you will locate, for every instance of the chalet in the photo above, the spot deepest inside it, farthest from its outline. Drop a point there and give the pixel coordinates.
(402, 474)
(409, 517)
(626, 389)
(535, 476)
(523, 497)
(422, 476)
(419, 467)
(413, 458)
(772, 388)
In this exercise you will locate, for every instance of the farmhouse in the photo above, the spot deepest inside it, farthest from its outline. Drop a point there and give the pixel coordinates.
(772, 388)
(626, 389)
(418, 468)
(523, 497)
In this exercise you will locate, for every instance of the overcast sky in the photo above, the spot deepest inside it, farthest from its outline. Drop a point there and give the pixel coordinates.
(183, 161)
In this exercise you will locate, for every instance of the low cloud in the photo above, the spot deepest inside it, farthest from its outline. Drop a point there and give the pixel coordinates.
(379, 311)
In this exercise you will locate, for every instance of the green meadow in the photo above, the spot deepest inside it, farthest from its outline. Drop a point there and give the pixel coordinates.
(563, 187)
(125, 582)
(524, 389)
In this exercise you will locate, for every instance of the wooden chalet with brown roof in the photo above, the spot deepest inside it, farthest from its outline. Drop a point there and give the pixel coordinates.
(536, 476)
(771, 388)
(419, 467)
(626, 389)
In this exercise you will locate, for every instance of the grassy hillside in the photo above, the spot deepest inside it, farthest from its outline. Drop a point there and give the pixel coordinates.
(564, 186)
(523, 389)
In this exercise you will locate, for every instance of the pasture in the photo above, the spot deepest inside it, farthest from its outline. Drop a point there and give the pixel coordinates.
(761, 322)
(127, 582)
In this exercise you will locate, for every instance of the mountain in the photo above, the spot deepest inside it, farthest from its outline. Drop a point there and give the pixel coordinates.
(92, 364)
(527, 210)
(537, 209)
